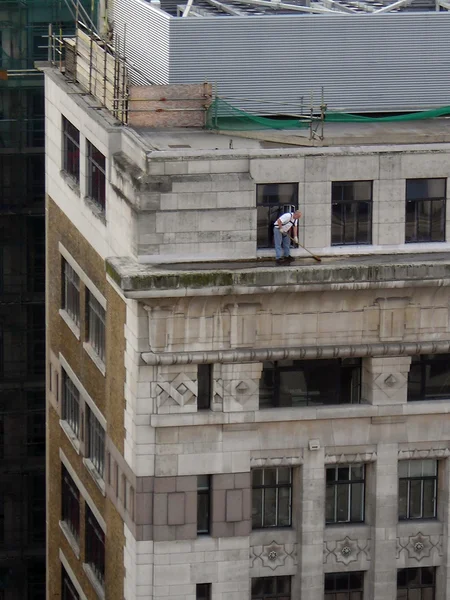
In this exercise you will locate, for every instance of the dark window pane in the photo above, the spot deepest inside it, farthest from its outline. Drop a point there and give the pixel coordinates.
(351, 212)
(403, 499)
(284, 506)
(329, 503)
(204, 387)
(270, 512)
(342, 503)
(357, 498)
(257, 497)
(203, 503)
(428, 498)
(415, 500)
(428, 574)
(271, 497)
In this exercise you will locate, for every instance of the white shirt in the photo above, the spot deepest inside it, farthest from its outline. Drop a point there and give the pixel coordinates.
(287, 221)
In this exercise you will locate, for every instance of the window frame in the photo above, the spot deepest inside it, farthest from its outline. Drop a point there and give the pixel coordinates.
(341, 206)
(338, 594)
(274, 594)
(70, 410)
(421, 586)
(274, 209)
(70, 504)
(204, 508)
(71, 292)
(419, 203)
(96, 325)
(302, 367)
(263, 488)
(422, 478)
(421, 366)
(71, 144)
(95, 546)
(96, 175)
(95, 442)
(204, 386)
(337, 484)
(67, 587)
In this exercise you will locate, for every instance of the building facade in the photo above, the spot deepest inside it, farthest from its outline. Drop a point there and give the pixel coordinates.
(223, 429)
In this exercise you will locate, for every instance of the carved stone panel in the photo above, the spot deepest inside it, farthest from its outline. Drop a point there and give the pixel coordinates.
(419, 549)
(273, 556)
(346, 551)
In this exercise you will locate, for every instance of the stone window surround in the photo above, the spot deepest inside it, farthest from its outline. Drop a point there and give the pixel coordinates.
(89, 285)
(71, 575)
(85, 399)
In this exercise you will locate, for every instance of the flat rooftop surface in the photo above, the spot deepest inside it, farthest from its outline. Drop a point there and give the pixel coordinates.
(186, 141)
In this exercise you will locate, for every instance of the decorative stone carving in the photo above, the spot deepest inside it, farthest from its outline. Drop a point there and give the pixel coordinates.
(180, 391)
(273, 555)
(363, 457)
(346, 551)
(419, 546)
(427, 453)
(390, 384)
(285, 461)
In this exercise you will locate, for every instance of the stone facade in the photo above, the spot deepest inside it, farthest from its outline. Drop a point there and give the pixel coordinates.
(164, 320)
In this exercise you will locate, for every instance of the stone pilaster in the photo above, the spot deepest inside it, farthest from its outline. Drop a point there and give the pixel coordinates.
(385, 379)
(382, 577)
(443, 573)
(309, 585)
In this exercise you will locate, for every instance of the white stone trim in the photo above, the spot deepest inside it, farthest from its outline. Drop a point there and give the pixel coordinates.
(82, 275)
(285, 461)
(70, 538)
(94, 357)
(70, 323)
(95, 475)
(94, 581)
(71, 574)
(420, 453)
(70, 435)
(359, 457)
(83, 491)
(80, 387)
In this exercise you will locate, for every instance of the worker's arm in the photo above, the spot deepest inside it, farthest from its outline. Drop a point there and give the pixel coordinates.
(295, 238)
(280, 223)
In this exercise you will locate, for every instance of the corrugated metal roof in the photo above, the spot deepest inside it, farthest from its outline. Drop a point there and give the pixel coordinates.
(273, 63)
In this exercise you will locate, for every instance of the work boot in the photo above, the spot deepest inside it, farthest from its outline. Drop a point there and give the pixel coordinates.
(280, 262)
(289, 259)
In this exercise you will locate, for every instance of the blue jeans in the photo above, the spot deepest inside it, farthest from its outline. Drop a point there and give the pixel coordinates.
(282, 243)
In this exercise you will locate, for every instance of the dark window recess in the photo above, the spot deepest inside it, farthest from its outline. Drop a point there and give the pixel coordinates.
(96, 174)
(429, 377)
(36, 508)
(417, 489)
(70, 504)
(418, 583)
(351, 212)
(35, 578)
(204, 390)
(203, 503)
(2, 518)
(95, 442)
(271, 497)
(203, 591)
(71, 150)
(96, 325)
(273, 200)
(71, 293)
(345, 494)
(310, 382)
(425, 210)
(35, 423)
(68, 589)
(344, 586)
(71, 404)
(36, 339)
(95, 546)
(271, 588)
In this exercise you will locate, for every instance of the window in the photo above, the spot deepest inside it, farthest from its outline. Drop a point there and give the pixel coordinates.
(68, 590)
(204, 374)
(271, 588)
(70, 504)
(35, 580)
(36, 433)
(310, 382)
(417, 489)
(425, 210)
(36, 509)
(271, 497)
(96, 326)
(71, 405)
(71, 150)
(95, 442)
(429, 377)
(417, 583)
(351, 212)
(344, 586)
(273, 200)
(96, 174)
(203, 503)
(71, 293)
(203, 591)
(95, 546)
(345, 494)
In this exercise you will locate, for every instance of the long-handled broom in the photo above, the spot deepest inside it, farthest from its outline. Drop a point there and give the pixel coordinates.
(306, 249)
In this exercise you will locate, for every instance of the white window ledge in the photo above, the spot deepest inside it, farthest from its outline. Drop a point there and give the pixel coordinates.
(70, 434)
(95, 475)
(98, 587)
(95, 358)
(74, 328)
(70, 538)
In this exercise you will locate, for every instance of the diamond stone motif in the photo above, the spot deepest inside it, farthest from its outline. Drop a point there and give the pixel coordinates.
(390, 380)
(182, 389)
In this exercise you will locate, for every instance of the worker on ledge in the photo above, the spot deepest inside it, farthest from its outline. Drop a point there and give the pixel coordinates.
(282, 236)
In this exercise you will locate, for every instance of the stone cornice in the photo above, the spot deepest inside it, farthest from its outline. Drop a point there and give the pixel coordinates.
(297, 353)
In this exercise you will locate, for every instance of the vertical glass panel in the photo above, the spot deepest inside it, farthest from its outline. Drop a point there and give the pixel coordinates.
(342, 503)
(337, 224)
(357, 502)
(402, 594)
(357, 472)
(428, 593)
(428, 575)
(270, 476)
(284, 475)
(330, 474)
(329, 504)
(437, 382)
(429, 467)
(329, 582)
(412, 576)
(257, 496)
(284, 506)
(415, 468)
(266, 386)
(428, 498)
(415, 499)
(283, 585)
(257, 586)
(437, 221)
(410, 221)
(343, 473)
(414, 594)
(270, 507)
(403, 499)
(403, 468)
(401, 578)
(341, 581)
(356, 580)
(257, 477)
(414, 381)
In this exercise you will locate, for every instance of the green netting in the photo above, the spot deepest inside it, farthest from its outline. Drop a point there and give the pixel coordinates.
(222, 115)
